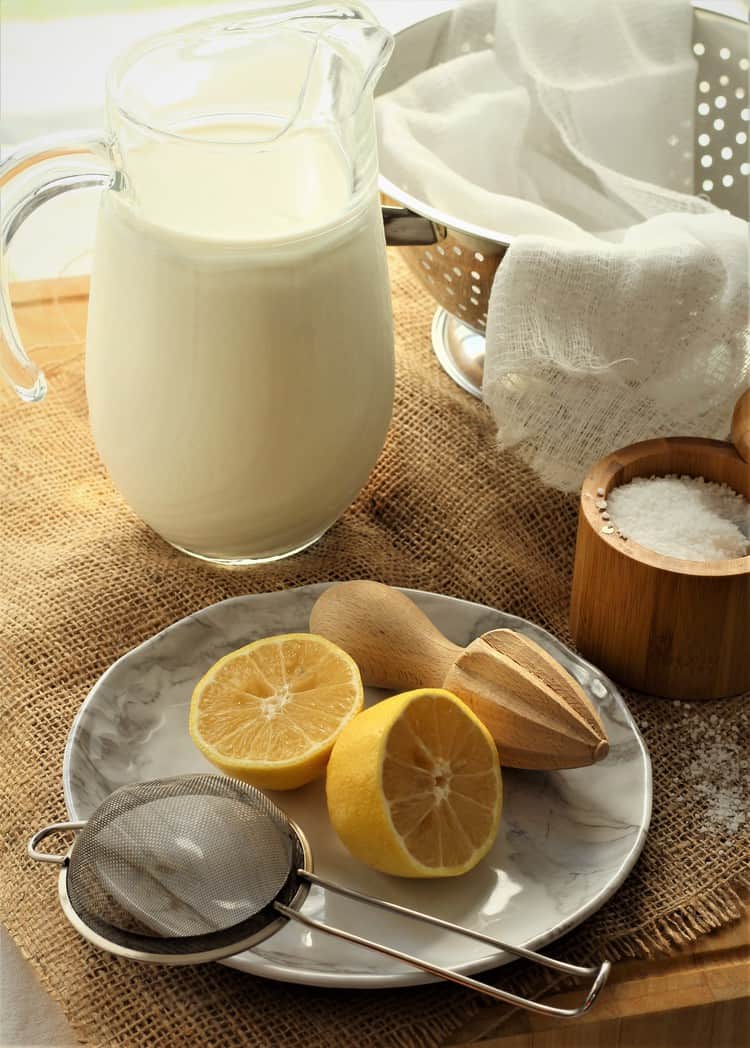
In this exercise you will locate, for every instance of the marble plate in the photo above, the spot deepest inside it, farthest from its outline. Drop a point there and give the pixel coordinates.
(567, 840)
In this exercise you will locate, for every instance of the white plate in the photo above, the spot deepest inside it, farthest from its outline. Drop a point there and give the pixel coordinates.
(567, 839)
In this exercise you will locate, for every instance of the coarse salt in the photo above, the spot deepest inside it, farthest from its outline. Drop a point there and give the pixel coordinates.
(686, 517)
(711, 783)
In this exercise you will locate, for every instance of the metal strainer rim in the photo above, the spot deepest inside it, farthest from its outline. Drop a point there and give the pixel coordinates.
(596, 975)
(202, 952)
(454, 222)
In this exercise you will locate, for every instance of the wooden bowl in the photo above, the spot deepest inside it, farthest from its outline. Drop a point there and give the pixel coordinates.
(662, 625)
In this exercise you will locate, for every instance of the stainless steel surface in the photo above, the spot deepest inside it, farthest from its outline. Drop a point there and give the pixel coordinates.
(721, 122)
(164, 871)
(404, 227)
(145, 887)
(459, 349)
(459, 268)
(53, 829)
(597, 973)
(131, 953)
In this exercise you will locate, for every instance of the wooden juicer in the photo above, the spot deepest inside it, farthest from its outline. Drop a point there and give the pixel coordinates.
(538, 715)
(666, 626)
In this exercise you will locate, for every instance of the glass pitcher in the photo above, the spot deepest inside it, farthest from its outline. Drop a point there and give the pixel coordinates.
(239, 359)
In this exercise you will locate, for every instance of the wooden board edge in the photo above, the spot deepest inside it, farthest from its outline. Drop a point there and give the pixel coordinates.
(29, 293)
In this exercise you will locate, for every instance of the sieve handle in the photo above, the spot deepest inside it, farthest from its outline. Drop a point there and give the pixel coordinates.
(405, 228)
(597, 973)
(55, 827)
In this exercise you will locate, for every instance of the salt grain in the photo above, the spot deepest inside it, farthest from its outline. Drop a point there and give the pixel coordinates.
(686, 517)
(716, 772)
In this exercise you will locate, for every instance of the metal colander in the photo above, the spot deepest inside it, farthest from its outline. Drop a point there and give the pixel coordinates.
(456, 262)
(199, 867)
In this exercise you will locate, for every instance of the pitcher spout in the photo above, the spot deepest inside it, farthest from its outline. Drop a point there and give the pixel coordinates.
(355, 31)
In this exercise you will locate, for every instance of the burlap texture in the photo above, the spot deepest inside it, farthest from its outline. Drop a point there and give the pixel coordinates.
(82, 581)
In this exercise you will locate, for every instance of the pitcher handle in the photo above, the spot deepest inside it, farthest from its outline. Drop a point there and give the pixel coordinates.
(54, 166)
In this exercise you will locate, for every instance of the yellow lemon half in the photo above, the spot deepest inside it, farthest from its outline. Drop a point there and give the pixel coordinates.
(414, 787)
(270, 712)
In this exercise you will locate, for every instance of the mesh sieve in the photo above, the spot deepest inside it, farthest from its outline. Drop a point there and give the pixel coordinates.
(163, 865)
(199, 867)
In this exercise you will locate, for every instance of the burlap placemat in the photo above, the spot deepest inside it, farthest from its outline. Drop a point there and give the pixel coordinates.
(82, 581)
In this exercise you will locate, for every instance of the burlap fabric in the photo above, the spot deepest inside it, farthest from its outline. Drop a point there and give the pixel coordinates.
(82, 581)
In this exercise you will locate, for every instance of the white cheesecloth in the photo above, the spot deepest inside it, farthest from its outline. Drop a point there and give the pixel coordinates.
(620, 311)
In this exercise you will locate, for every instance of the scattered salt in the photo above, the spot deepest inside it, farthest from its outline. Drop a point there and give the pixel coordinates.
(686, 517)
(716, 771)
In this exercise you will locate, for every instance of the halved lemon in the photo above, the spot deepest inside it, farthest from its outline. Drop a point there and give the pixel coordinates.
(413, 786)
(269, 713)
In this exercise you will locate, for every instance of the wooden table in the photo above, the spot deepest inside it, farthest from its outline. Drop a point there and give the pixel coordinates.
(699, 998)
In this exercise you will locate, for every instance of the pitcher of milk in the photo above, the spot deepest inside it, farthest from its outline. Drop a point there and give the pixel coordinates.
(239, 359)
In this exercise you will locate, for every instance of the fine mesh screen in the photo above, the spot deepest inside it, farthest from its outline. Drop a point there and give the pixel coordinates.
(183, 865)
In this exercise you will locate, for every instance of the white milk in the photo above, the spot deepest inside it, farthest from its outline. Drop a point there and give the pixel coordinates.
(240, 353)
